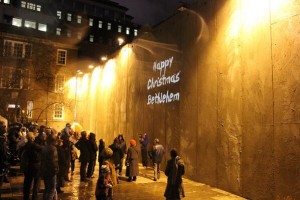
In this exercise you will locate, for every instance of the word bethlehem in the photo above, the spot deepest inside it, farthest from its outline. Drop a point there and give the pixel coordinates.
(159, 98)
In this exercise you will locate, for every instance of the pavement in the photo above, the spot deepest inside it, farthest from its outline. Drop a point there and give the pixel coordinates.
(143, 189)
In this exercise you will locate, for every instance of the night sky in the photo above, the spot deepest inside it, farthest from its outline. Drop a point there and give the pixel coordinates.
(150, 12)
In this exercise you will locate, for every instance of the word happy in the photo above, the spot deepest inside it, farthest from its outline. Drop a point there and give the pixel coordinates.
(162, 65)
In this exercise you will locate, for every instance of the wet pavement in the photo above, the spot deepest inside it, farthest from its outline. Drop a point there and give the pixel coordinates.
(143, 189)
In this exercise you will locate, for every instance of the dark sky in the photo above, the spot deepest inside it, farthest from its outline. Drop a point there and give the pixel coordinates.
(149, 11)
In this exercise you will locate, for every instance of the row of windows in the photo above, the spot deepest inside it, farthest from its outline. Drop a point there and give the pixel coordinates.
(100, 23)
(29, 24)
(31, 6)
(19, 49)
(14, 78)
(58, 110)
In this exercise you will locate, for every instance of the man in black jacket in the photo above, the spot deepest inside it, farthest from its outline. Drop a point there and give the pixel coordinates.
(85, 149)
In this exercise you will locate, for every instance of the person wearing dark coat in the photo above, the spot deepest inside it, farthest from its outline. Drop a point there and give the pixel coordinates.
(143, 139)
(85, 153)
(174, 171)
(4, 161)
(100, 153)
(93, 155)
(132, 161)
(62, 165)
(32, 153)
(117, 154)
(50, 168)
(123, 147)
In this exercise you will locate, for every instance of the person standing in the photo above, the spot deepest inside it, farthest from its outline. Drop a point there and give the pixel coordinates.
(174, 171)
(4, 162)
(93, 155)
(157, 154)
(50, 168)
(117, 154)
(123, 148)
(100, 153)
(73, 140)
(143, 139)
(31, 166)
(132, 160)
(85, 153)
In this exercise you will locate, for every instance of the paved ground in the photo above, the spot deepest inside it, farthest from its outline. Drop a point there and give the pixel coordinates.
(143, 189)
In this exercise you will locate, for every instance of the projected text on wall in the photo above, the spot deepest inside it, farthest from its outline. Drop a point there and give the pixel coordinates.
(162, 80)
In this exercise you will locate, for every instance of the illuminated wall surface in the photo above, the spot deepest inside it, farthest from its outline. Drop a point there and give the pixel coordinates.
(220, 82)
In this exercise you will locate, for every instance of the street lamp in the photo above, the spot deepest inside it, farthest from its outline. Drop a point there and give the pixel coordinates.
(121, 41)
(78, 72)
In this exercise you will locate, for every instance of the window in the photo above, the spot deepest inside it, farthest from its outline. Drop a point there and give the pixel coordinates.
(17, 49)
(58, 31)
(14, 78)
(58, 13)
(31, 6)
(6, 1)
(91, 38)
(79, 19)
(69, 17)
(135, 32)
(61, 57)
(100, 24)
(38, 8)
(108, 26)
(119, 28)
(59, 83)
(91, 22)
(58, 111)
(30, 24)
(79, 35)
(17, 22)
(29, 109)
(127, 30)
(42, 27)
(23, 4)
(69, 33)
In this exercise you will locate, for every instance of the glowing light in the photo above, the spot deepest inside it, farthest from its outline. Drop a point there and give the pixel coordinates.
(91, 67)
(121, 41)
(104, 58)
(84, 84)
(109, 74)
(125, 53)
(95, 79)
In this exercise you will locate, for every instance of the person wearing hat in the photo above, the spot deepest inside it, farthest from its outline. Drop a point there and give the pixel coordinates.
(156, 155)
(132, 160)
(108, 160)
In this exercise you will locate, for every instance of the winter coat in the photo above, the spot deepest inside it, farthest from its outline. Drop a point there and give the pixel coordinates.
(94, 148)
(174, 171)
(50, 161)
(84, 147)
(133, 159)
(33, 152)
(157, 153)
(117, 153)
(100, 152)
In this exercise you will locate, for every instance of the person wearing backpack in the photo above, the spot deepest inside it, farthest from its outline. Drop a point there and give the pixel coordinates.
(31, 166)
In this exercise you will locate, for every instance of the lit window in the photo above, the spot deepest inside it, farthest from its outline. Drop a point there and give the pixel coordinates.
(119, 28)
(61, 57)
(42, 27)
(17, 22)
(38, 8)
(127, 31)
(91, 22)
(108, 26)
(79, 35)
(58, 31)
(58, 111)
(23, 4)
(135, 32)
(6, 1)
(100, 24)
(91, 38)
(58, 13)
(29, 24)
(79, 19)
(29, 109)
(69, 33)
(59, 83)
(69, 17)
(31, 6)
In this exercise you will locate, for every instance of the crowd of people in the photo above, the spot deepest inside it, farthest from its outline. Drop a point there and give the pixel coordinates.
(47, 155)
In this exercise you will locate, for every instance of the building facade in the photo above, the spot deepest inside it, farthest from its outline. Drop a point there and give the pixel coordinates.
(44, 43)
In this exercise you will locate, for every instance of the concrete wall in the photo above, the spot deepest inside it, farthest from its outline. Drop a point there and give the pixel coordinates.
(237, 122)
